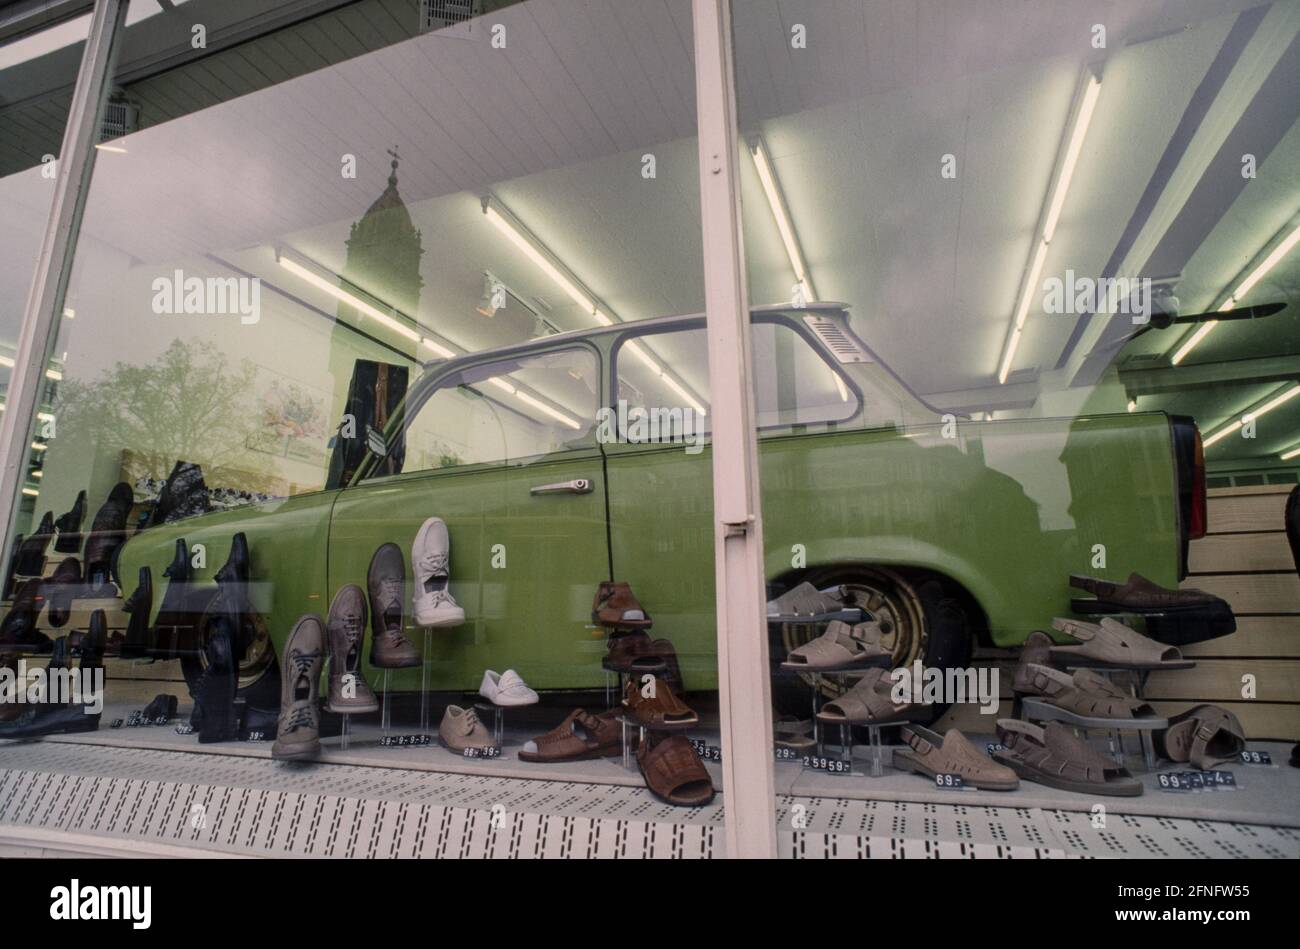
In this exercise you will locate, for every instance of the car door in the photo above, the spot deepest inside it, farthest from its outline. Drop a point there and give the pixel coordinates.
(661, 471)
(502, 449)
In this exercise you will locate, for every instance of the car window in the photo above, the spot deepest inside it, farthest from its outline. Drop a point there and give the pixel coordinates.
(505, 411)
(663, 377)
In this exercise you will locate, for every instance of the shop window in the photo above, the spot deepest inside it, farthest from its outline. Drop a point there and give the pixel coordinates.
(504, 411)
(664, 379)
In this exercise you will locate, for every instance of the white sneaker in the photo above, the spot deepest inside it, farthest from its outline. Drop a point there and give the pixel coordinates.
(508, 688)
(431, 561)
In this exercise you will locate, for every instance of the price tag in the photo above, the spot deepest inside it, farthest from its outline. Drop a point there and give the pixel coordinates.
(489, 752)
(404, 741)
(186, 729)
(1175, 781)
(255, 735)
(785, 754)
(949, 782)
(1220, 780)
(1256, 757)
(117, 723)
(134, 720)
(827, 765)
(994, 746)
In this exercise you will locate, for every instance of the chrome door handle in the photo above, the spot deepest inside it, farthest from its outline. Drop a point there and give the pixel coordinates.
(576, 486)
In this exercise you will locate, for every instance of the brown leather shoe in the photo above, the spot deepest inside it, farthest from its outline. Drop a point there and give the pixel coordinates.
(1140, 594)
(636, 653)
(616, 606)
(673, 771)
(661, 709)
(580, 736)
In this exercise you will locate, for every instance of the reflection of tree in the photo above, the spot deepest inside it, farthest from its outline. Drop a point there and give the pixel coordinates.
(188, 404)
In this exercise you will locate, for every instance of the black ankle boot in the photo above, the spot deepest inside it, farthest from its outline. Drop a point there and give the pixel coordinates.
(107, 532)
(215, 695)
(31, 555)
(139, 604)
(62, 587)
(175, 622)
(69, 525)
(19, 625)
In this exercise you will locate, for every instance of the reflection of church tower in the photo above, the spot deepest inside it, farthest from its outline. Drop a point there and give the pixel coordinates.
(384, 252)
(383, 260)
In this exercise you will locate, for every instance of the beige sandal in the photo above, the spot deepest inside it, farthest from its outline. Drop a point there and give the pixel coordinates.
(931, 756)
(1084, 693)
(840, 646)
(1112, 643)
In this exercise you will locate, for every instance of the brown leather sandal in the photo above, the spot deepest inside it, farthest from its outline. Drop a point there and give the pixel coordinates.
(1204, 736)
(1084, 693)
(663, 710)
(636, 653)
(1112, 643)
(615, 606)
(1053, 755)
(1139, 595)
(580, 736)
(673, 771)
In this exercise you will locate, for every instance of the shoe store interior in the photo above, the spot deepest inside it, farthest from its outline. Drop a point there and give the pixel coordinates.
(366, 465)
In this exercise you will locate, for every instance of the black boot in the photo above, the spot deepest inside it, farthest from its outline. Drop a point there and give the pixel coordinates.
(62, 587)
(214, 697)
(235, 569)
(48, 718)
(69, 525)
(175, 622)
(107, 532)
(232, 581)
(139, 604)
(31, 555)
(13, 566)
(19, 625)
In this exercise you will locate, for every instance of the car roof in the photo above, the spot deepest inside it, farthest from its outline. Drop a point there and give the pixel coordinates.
(822, 308)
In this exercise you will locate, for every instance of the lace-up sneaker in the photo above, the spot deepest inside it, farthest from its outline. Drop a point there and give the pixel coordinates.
(346, 628)
(461, 729)
(298, 735)
(387, 581)
(431, 562)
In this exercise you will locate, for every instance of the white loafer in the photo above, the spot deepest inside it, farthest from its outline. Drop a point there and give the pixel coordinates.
(508, 688)
(431, 561)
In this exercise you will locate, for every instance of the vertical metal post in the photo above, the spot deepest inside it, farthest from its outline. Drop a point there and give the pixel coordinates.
(53, 265)
(743, 671)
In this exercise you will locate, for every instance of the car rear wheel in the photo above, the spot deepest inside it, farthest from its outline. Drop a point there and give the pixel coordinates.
(259, 673)
(926, 617)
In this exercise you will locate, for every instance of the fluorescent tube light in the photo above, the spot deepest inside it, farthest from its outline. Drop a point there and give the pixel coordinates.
(1081, 122)
(1263, 409)
(351, 299)
(543, 407)
(1293, 453)
(529, 246)
(776, 201)
(1074, 145)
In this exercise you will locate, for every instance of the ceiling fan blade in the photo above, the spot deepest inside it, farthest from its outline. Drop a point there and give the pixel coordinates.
(1241, 313)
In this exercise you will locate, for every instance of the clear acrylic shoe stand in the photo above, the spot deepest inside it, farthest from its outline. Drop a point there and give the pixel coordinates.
(424, 681)
(497, 715)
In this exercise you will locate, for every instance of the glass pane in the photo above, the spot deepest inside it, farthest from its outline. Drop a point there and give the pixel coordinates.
(1057, 255)
(346, 293)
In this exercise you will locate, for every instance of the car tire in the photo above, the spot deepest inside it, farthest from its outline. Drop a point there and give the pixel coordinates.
(929, 618)
(259, 671)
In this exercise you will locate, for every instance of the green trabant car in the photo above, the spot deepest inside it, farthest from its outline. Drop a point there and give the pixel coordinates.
(583, 456)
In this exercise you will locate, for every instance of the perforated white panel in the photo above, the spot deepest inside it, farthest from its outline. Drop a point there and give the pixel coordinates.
(253, 806)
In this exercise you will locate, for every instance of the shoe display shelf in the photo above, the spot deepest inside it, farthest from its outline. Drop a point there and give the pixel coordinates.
(1037, 710)
(811, 677)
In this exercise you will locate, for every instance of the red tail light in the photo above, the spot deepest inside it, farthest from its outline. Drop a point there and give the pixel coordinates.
(1200, 513)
